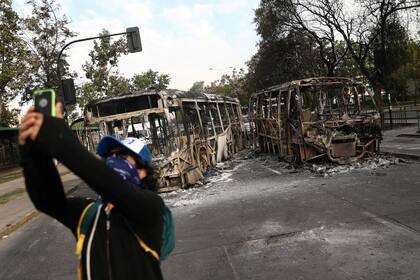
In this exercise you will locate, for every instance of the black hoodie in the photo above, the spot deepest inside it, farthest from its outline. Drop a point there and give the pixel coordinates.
(115, 253)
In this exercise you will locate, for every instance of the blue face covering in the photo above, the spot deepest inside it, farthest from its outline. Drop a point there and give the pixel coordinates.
(125, 169)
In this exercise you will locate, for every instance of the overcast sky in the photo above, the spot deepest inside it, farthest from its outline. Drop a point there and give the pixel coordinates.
(182, 38)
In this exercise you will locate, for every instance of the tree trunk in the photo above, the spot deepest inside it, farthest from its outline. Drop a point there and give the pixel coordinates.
(379, 102)
(2, 91)
(331, 70)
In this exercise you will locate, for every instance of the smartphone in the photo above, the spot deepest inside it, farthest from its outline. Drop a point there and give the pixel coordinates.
(44, 100)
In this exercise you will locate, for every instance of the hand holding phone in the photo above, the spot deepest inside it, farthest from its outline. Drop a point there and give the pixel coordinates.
(44, 100)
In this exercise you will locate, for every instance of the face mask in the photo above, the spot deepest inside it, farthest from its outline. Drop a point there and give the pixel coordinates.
(125, 169)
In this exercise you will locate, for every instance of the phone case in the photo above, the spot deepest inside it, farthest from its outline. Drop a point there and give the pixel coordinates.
(44, 100)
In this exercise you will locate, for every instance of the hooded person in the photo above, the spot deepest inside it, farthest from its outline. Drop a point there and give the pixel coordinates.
(110, 247)
(130, 158)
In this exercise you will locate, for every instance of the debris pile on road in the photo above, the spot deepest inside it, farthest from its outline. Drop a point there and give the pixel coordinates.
(207, 186)
(379, 161)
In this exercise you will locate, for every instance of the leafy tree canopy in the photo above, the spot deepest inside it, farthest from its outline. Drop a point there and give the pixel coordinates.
(13, 56)
(101, 70)
(150, 79)
(233, 85)
(197, 87)
(46, 33)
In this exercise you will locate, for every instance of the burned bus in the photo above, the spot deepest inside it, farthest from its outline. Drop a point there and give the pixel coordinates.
(186, 132)
(330, 117)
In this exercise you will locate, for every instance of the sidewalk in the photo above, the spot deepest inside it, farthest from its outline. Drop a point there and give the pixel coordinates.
(402, 142)
(19, 209)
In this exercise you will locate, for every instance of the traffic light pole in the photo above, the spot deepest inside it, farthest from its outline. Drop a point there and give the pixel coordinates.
(81, 40)
(133, 40)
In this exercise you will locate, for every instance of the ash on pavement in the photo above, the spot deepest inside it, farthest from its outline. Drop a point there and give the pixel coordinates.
(215, 179)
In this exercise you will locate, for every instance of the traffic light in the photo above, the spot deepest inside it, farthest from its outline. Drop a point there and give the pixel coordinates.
(68, 92)
(133, 39)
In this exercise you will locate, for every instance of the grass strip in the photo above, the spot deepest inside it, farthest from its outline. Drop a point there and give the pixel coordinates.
(4, 198)
(10, 177)
(18, 174)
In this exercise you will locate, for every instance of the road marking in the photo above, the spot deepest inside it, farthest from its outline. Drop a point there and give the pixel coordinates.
(235, 275)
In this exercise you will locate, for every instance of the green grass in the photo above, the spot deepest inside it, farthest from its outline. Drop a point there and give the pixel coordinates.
(10, 195)
(10, 177)
(17, 174)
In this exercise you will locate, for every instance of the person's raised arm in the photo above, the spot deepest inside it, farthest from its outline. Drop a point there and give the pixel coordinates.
(43, 183)
(54, 138)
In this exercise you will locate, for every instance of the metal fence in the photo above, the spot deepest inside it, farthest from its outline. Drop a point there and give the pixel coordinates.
(9, 151)
(9, 155)
(401, 116)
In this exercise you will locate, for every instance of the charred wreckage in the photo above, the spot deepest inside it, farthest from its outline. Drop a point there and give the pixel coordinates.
(186, 132)
(325, 117)
(331, 117)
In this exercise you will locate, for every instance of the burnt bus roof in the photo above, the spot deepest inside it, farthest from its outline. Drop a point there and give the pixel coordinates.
(169, 93)
(313, 81)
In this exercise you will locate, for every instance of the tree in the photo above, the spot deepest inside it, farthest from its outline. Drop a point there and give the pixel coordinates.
(364, 32)
(392, 55)
(119, 85)
(410, 71)
(8, 118)
(233, 85)
(276, 20)
(286, 51)
(102, 70)
(46, 33)
(346, 67)
(150, 79)
(197, 87)
(292, 57)
(86, 93)
(322, 32)
(12, 60)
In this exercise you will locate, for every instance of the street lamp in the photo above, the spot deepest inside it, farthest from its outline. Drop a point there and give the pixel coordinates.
(67, 86)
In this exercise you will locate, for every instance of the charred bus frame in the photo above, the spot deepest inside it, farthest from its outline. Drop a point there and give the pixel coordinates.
(331, 117)
(186, 132)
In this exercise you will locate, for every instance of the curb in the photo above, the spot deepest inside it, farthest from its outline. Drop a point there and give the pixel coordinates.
(5, 232)
(401, 155)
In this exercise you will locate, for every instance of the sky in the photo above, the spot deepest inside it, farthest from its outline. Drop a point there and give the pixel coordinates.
(182, 38)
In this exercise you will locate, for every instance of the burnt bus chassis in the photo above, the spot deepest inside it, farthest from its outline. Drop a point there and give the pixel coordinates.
(286, 129)
(189, 132)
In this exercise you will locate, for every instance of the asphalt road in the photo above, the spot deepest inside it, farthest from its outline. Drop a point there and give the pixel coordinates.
(259, 219)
